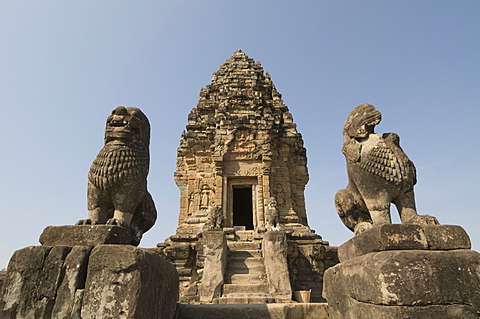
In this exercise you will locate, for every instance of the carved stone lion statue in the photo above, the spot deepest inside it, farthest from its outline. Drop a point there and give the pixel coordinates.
(117, 180)
(215, 217)
(272, 215)
(379, 173)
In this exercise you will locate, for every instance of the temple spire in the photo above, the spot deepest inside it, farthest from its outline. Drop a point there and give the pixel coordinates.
(241, 172)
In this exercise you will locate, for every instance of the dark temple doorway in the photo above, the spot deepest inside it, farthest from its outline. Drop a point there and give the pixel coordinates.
(243, 207)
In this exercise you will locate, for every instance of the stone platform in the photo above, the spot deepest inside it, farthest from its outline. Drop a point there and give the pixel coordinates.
(405, 271)
(254, 311)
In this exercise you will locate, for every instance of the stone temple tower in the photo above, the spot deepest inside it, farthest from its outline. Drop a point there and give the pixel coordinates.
(241, 172)
(240, 149)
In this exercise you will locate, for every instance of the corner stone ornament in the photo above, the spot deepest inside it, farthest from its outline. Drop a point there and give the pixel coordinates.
(379, 173)
(117, 180)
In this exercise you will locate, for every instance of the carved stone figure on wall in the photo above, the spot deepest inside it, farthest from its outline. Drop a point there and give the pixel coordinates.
(241, 144)
(272, 215)
(205, 197)
(280, 195)
(379, 173)
(117, 180)
(191, 199)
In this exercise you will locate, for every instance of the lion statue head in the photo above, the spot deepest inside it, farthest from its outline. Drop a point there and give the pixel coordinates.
(361, 121)
(127, 126)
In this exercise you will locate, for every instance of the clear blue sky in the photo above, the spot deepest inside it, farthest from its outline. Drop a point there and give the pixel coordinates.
(65, 65)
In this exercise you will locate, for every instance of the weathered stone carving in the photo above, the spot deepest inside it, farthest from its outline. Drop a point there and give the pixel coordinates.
(379, 173)
(117, 185)
(215, 217)
(205, 197)
(273, 215)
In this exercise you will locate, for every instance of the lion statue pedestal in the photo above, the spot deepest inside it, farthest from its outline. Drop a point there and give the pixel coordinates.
(93, 269)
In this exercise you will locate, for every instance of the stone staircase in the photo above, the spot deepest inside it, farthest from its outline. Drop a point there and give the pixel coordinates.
(245, 275)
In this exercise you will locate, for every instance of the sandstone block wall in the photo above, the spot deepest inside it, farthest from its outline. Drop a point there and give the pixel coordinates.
(403, 271)
(102, 281)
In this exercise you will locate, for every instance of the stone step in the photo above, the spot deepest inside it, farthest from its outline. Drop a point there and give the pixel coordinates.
(244, 245)
(245, 278)
(244, 232)
(254, 311)
(246, 235)
(244, 253)
(248, 262)
(242, 268)
(229, 289)
(247, 299)
(250, 278)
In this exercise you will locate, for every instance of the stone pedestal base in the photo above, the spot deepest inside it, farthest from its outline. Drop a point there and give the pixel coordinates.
(409, 283)
(125, 281)
(85, 235)
(110, 281)
(405, 237)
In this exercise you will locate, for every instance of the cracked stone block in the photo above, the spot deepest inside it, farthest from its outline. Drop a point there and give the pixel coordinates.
(390, 284)
(128, 282)
(33, 275)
